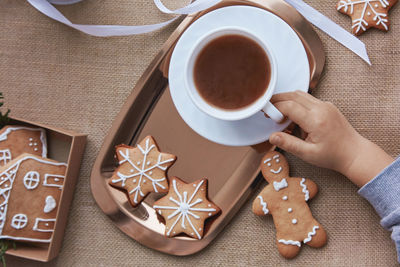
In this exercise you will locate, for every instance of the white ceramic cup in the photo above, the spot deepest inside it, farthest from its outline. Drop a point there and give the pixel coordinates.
(262, 103)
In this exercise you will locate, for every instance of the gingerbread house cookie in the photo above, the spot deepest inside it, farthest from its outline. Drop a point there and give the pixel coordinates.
(15, 140)
(285, 198)
(30, 190)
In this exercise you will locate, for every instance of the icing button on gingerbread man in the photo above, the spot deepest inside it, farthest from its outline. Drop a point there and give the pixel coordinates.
(285, 198)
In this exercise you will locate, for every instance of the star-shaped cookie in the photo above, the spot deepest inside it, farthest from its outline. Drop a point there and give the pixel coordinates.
(142, 169)
(185, 208)
(366, 14)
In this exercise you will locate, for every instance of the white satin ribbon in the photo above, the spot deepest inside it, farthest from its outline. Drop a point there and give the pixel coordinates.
(96, 30)
(194, 7)
(309, 13)
(331, 28)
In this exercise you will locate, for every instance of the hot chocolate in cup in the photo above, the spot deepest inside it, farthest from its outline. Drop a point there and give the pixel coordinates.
(231, 75)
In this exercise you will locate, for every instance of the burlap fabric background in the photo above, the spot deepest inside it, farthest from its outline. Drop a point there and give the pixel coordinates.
(55, 75)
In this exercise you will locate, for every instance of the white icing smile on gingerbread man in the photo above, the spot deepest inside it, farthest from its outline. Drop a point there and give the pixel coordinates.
(269, 162)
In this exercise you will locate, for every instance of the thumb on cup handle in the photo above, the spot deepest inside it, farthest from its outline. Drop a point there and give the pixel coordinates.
(273, 112)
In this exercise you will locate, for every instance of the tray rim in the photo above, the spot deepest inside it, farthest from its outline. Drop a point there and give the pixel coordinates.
(160, 63)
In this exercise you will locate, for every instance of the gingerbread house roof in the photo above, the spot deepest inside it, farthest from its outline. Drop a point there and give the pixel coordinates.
(7, 130)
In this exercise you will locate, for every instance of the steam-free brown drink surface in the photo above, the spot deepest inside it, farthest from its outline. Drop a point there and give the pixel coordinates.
(232, 72)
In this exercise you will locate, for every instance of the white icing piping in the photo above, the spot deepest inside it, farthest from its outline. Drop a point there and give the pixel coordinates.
(263, 204)
(55, 176)
(10, 174)
(276, 158)
(19, 221)
(305, 191)
(3, 136)
(38, 220)
(290, 242)
(45, 161)
(5, 156)
(43, 139)
(280, 185)
(267, 160)
(184, 207)
(277, 171)
(49, 204)
(141, 171)
(31, 180)
(361, 23)
(310, 234)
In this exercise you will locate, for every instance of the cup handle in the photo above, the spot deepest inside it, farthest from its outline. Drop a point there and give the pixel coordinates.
(273, 112)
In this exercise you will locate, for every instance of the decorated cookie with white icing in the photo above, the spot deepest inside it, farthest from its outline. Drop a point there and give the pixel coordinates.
(16, 139)
(366, 14)
(285, 198)
(142, 169)
(185, 208)
(30, 191)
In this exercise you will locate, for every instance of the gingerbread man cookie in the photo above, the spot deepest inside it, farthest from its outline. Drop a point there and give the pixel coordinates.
(366, 14)
(285, 198)
(141, 170)
(185, 208)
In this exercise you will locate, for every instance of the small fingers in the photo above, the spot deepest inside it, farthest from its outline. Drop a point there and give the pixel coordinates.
(291, 144)
(303, 98)
(295, 112)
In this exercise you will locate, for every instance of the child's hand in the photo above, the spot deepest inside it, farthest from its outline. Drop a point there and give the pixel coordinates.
(331, 141)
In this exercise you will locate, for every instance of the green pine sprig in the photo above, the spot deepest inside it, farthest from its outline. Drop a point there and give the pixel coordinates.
(4, 119)
(4, 244)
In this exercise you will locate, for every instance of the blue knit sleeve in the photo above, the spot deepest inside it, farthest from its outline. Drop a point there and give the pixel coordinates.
(383, 192)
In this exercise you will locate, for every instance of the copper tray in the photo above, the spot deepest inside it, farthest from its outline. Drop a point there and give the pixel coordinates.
(233, 172)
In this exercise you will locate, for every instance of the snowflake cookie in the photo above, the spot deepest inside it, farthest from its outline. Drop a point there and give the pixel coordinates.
(285, 198)
(141, 170)
(185, 208)
(366, 14)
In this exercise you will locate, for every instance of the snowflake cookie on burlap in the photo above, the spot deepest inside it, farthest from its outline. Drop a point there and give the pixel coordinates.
(366, 14)
(185, 208)
(141, 170)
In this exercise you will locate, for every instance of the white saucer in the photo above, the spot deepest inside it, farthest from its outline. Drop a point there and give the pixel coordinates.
(293, 73)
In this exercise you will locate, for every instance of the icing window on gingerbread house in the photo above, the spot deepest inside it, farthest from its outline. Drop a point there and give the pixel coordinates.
(44, 225)
(5, 156)
(31, 180)
(19, 221)
(54, 180)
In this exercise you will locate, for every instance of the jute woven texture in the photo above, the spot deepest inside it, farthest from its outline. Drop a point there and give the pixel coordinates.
(53, 74)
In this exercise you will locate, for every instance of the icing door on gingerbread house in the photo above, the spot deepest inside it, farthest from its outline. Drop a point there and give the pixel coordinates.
(30, 190)
(15, 140)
